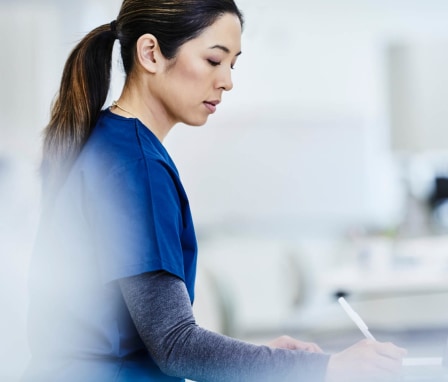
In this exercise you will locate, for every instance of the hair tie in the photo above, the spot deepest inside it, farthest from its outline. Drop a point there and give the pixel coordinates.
(113, 28)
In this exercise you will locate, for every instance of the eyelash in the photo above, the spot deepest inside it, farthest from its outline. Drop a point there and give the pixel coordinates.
(214, 63)
(217, 63)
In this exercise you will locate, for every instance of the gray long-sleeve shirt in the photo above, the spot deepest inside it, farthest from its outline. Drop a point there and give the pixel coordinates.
(162, 313)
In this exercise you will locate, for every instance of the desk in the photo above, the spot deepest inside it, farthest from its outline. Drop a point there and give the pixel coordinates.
(404, 286)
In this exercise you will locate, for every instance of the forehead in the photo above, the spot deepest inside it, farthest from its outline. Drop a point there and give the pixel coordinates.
(225, 31)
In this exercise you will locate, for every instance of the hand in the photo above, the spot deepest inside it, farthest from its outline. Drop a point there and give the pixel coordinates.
(367, 360)
(286, 342)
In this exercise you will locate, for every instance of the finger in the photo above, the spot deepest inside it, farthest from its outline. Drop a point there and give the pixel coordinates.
(308, 346)
(294, 344)
(389, 365)
(388, 349)
(312, 347)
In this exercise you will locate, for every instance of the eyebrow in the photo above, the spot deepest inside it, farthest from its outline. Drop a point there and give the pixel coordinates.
(224, 49)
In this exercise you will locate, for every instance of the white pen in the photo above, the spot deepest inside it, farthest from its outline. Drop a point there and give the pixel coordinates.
(356, 318)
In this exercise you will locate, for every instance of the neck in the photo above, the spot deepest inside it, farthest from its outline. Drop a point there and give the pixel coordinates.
(133, 103)
(115, 104)
(140, 102)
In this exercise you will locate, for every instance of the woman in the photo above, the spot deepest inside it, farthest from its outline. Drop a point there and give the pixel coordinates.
(112, 278)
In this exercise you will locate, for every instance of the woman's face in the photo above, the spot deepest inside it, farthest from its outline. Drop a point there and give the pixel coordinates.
(192, 86)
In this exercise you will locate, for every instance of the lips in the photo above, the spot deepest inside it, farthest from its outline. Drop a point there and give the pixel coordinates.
(211, 105)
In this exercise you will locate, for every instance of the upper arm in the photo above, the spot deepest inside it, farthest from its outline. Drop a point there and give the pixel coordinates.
(137, 222)
(161, 310)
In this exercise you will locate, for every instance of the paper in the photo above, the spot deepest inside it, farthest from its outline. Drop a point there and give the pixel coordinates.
(422, 361)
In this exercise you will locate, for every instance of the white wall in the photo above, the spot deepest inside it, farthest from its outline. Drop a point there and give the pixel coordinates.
(300, 145)
(36, 38)
(311, 88)
(29, 54)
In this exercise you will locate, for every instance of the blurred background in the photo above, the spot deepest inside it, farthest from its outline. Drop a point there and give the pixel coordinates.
(324, 172)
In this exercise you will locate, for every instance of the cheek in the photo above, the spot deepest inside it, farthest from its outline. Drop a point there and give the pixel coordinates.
(192, 76)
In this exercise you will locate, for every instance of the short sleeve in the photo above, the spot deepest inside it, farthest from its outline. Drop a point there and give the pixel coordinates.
(139, 218)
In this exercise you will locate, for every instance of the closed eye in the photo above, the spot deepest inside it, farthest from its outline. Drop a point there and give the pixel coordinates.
(217, 63)
(213, 63)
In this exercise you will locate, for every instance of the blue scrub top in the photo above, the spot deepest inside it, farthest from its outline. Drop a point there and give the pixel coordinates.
(121, 212)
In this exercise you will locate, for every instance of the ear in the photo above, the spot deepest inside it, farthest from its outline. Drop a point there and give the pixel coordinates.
(148, 53)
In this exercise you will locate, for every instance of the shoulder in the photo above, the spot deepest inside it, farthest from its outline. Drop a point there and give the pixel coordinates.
(119, 144)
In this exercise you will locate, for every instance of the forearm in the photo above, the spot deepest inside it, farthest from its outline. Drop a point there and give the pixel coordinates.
(162, 313)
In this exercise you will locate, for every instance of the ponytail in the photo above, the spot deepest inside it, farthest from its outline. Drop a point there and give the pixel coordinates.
(82, 93)
(86, 77)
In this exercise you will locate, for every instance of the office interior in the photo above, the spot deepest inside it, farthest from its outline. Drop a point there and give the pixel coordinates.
(323, 174)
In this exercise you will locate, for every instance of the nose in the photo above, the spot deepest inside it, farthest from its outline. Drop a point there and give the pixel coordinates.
(225, 80)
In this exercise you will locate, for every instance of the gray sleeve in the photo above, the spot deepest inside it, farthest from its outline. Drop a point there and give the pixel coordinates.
(160, 307)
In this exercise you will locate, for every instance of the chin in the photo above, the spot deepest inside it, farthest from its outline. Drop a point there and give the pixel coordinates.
(196, 121)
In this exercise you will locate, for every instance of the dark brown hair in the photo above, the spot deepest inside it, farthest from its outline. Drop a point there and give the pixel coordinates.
(86, 76)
